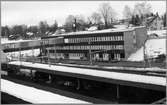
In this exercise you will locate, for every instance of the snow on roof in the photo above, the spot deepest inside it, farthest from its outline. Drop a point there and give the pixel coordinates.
(154, 47)
(100, 31)
(93, 28)
(97, 31)
(34, 95)
(120, 26)
(97, 73)
(29, 33)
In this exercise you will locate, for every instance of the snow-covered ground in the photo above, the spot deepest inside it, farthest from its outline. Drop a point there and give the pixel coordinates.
(5, 40)
(154, 47)
(3, 57)
(36, 96)
(24, 53)
(158, 32)
(16, 54)
(98, 73)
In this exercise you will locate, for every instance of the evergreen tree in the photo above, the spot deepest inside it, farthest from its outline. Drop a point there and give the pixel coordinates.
(164, 20)
(54, 27)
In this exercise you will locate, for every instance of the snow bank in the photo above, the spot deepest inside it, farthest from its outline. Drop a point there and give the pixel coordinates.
(154, 47)
(24, 53)
(34, 95)
(158, 32)
(120, 26)
(137, 56)
(3, 57)
(98, 73)
(92, 28)
(5, 40)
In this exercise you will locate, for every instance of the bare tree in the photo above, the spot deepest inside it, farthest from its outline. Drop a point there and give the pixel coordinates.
(96, 18)
(43, 27)
(107, 13)
(142, 9)
(19, 31)
(69, 20)
(127, 12)
(54, 27)
(5, 31)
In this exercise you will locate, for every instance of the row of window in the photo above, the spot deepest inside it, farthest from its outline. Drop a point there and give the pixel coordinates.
(76, 54)
(117, 56)
(52, 41)
(96, 56)
(95, 47)
(94, 39)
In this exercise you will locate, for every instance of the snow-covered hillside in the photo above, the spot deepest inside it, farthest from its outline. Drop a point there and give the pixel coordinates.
(158, 32)
(154, 47)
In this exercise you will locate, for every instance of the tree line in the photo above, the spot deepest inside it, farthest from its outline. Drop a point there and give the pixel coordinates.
(103, 18)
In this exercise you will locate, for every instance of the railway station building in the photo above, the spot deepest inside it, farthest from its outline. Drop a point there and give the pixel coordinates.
(100, 45)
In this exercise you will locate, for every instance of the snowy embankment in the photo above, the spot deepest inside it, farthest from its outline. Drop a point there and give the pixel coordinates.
(5, 41)
(16, 54)
(24, 53)
(154, 47)
(98, 73)
(35, 96)
(160, 33)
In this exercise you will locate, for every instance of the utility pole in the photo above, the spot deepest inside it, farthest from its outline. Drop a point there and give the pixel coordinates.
(90, 53)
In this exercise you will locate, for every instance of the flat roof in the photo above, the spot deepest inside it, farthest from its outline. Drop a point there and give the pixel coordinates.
(98, 31)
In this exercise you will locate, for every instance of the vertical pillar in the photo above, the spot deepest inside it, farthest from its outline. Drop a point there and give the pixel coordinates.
(90, 53)
(49, 57)
(31, 74)
(118, 95)
(78, 84)
(48, 54)
(40, 57)
(33, 55)
(42, 51)
(20, 55)
(50, 78)
(55, 53)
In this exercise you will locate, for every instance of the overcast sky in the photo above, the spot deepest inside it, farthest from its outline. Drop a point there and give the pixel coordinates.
(30, 13)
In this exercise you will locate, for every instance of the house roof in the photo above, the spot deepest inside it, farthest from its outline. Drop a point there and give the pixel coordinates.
(99, 31)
